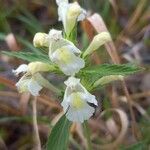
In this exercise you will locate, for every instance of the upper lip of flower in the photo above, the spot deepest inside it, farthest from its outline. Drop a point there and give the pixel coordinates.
(65, 54)
(20, 69)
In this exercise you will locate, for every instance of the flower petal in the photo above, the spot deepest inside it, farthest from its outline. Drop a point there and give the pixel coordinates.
(90, 98)
(76, 107)
(61, 1)
(80, 115)
(67, 61)
(82, 16)
(69, 14)
(55, 34)
(22, 84)
(65, 105)
(34, 87)
(72, 16)
(62, 11)
(22, 68)
(72, 81)
(73, 48)
(73, 67)
(57, 42)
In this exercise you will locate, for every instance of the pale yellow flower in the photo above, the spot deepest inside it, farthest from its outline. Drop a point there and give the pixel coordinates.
(69, 14)
(78, 102)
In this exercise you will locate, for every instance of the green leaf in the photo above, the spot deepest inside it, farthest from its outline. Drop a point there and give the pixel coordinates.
(28, 45)
(112, 69)
(91, 74)
(58, 139)
(30, 57)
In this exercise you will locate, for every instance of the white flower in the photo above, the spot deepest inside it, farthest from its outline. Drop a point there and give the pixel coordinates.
(64, 53)
(32, 81)
(29, 84)
(77, 102)
(69, 14)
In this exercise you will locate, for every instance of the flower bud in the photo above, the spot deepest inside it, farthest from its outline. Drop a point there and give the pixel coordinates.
(108, 79)
(75, 13)
(41, 40)
(97, 41)
(69, 14)
(35, 67)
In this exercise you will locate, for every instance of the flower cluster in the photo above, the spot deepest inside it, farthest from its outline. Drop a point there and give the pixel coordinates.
(78, 104)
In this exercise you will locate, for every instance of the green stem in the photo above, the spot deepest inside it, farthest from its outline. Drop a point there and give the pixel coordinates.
(45, 83)
(87, 134)
(53, 88)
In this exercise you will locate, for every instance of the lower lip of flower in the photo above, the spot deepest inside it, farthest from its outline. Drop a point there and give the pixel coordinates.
(65, 56)
(77, 102)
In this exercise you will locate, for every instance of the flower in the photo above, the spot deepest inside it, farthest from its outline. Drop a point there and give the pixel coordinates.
(64, 53)
(40, 40)
(107, 79)
(69, 14)
(32, 81)
(37, 66)
(29, 84)
(97, 41)
(33, 68)
(78, 102)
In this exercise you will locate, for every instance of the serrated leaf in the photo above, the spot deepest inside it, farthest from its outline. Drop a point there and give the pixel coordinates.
(58, 139)
(30, 57)
(112, 69)
(91, 74)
